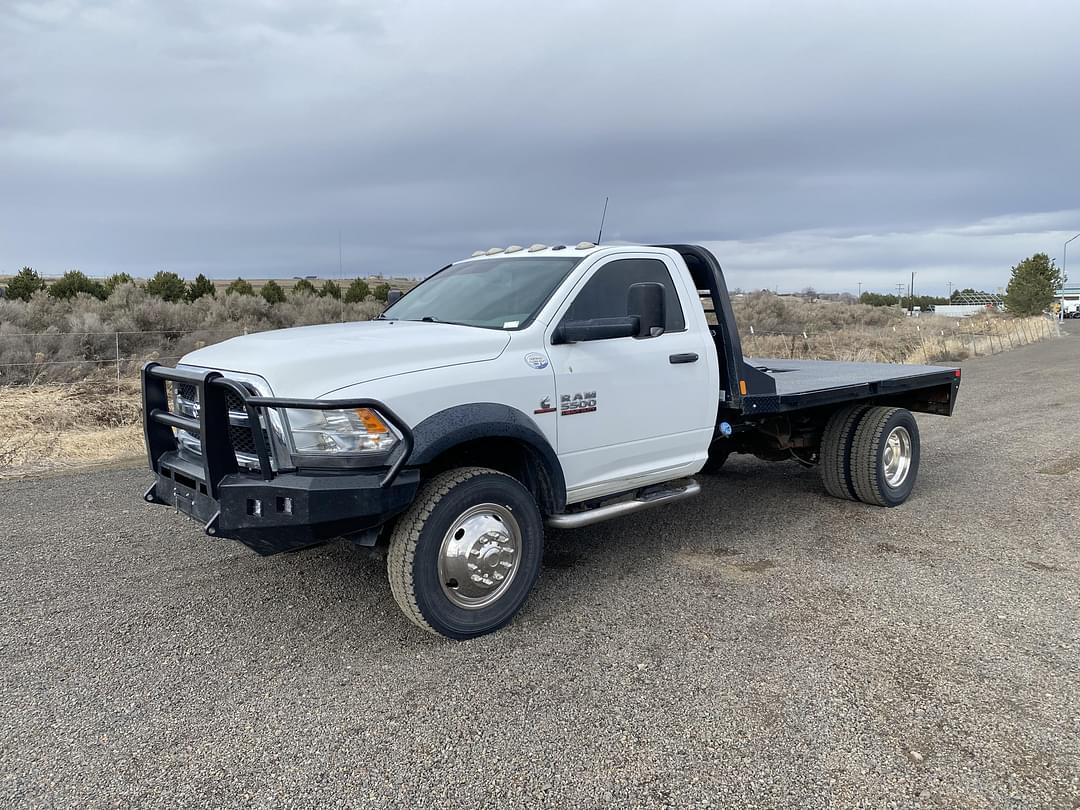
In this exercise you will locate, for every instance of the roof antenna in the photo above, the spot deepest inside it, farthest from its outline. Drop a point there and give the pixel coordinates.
(602, 218)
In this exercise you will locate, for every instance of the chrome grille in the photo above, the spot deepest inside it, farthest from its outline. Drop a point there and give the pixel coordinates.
(243, 444)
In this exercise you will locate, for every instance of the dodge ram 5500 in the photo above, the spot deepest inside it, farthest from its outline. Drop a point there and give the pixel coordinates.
(517, 388)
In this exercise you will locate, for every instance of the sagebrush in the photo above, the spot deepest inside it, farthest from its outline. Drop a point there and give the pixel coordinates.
(50, 339)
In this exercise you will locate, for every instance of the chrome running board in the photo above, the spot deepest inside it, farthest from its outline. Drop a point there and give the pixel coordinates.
(644, 499)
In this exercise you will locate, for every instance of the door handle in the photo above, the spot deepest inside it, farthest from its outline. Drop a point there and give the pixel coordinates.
(686, 357)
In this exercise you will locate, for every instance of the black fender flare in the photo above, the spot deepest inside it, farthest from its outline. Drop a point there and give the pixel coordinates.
(460, 424)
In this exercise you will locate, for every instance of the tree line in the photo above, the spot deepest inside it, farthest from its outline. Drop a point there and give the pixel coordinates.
(169, 286)
(1032, 284)
(1031, 289)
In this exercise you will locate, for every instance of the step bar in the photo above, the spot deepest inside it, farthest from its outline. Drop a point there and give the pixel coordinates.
(644, 499)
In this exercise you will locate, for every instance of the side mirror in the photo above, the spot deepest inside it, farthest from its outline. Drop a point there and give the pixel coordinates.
(595, 329)
(645, 301)
(393, 297)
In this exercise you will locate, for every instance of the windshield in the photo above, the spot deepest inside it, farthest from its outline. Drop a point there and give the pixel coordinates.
(493, 293)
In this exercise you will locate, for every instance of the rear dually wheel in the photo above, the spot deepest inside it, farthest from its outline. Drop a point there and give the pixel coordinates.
(885, 456)
(836, 444)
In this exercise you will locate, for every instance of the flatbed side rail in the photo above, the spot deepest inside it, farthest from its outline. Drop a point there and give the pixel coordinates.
(938, 389)
(212, 425)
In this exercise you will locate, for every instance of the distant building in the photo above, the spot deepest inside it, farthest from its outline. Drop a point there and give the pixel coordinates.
(1068, 299)
(960, 310)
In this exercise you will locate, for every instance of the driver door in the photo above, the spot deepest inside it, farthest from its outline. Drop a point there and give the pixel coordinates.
(631, 410)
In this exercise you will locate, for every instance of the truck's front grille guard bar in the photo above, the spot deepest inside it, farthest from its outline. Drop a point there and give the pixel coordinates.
(212, 426)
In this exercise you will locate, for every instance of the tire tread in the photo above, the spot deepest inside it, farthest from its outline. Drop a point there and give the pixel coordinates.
(865, 452)
(836, 446)
(406, 534)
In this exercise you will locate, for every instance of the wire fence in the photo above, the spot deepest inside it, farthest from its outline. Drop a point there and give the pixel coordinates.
(27, 358)
(58, 384)
(918, 340)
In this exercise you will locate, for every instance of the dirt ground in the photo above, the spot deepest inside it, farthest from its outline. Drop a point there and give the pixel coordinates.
(761, 646)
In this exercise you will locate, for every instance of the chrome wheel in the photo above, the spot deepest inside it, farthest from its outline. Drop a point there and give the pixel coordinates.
(896, 459)
(479, 556)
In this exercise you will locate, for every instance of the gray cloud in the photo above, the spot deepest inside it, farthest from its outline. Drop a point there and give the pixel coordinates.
(808, 144)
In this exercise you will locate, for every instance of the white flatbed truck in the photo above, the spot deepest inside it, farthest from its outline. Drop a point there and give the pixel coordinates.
(513, 389)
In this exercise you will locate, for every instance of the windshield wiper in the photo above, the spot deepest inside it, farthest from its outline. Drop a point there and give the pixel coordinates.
(433, 319)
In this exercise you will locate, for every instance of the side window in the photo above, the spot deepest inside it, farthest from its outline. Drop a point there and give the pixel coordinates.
(604, 295)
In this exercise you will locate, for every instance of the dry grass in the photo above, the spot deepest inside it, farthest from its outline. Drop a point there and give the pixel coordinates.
(83, 424)
(928, 339)
(93, 421)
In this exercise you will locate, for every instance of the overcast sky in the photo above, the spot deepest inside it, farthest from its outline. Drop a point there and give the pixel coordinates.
(819, 144)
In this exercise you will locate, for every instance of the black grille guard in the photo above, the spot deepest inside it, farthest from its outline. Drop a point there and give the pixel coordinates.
(212, 425)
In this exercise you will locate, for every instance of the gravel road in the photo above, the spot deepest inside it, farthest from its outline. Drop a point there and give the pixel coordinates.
(761, 646)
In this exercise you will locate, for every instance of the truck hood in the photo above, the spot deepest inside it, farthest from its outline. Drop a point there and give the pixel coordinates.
(312, 361)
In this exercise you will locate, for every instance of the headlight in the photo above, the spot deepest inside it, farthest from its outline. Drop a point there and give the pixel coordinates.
(339, 432)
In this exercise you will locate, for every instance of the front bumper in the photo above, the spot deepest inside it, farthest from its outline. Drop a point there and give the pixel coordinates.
(292, 511)
(269, 510)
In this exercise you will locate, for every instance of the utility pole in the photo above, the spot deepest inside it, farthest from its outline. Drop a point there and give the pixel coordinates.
(950, 289)
(911, 293)
(1065, 259)
(860, 291)
(900, 295)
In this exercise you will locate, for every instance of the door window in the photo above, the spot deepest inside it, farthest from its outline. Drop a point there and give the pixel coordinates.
(605, 294)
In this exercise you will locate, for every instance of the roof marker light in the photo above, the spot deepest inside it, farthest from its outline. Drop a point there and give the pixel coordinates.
(584, 246)
(478, 253)
(514, 248)
(493, 251)
(536, 247)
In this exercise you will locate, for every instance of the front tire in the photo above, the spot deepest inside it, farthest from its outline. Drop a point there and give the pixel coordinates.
(465, 555)
(885, 456)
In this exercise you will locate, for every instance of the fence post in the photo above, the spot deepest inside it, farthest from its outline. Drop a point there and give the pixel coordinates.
(116, 335)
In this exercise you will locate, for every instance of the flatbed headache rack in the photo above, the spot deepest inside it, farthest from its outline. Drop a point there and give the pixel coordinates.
(212, 424)
(753, 387)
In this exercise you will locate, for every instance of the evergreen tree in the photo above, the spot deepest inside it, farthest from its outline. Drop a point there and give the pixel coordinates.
(166, 285)
(115, 280)
(358, 291)
(74, 282)
(25, 284)
(381, 291)
(330, 290)
(1032, 286)
(272, 292)
(304, 287)
(240, 287)
(201, 286)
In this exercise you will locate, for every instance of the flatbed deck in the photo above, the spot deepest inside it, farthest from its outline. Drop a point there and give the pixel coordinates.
(808, 383)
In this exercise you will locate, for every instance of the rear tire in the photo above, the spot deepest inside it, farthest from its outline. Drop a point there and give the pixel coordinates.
(465, 555)
(885, 456)
(836, 444)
